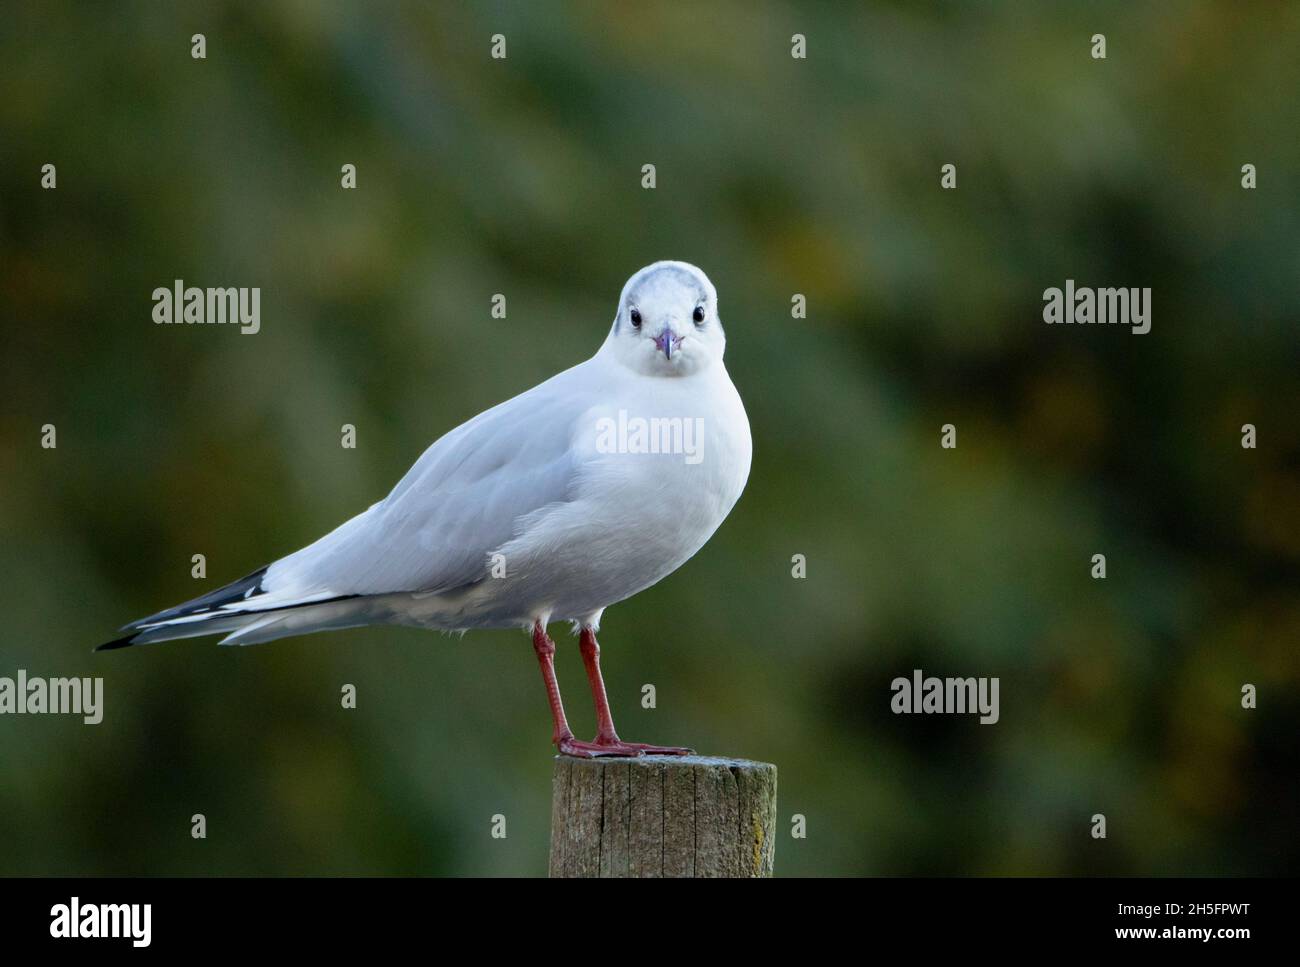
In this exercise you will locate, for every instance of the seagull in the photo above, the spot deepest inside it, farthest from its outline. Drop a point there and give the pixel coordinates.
(579, 493)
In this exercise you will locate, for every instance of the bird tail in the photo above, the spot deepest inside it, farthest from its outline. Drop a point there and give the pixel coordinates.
(246, 612)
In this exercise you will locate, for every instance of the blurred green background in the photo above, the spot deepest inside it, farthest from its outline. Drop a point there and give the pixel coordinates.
(776, 176)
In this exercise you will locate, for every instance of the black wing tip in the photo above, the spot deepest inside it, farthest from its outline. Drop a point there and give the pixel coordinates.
(124, 642)
(239, 590)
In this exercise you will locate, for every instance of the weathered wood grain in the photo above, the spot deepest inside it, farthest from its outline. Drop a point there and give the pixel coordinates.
(662, 816)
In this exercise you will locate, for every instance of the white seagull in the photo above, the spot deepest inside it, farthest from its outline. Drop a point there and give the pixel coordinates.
(553, 505)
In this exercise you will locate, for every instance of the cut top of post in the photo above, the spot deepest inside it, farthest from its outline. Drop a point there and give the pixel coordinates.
(662, 816)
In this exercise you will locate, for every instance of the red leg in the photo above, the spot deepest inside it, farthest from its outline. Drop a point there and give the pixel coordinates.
(607, 739)
(562, 735)
(591, 659)
(545, 649)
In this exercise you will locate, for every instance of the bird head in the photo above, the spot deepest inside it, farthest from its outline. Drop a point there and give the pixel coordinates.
(667, 322)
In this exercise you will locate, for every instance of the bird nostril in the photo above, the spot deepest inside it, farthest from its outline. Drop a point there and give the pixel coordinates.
(667, 342)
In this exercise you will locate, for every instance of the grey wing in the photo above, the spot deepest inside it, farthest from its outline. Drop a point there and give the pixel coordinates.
(464, 498)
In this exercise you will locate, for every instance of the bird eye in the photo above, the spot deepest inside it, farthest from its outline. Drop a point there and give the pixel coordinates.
(698, 315)
(636, 318)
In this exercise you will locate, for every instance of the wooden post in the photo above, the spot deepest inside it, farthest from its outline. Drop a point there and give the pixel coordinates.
(662, 816)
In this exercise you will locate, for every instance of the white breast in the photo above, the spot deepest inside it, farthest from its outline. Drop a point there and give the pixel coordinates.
(636, 515)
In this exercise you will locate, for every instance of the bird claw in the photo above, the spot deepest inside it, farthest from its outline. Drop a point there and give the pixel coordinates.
(614, 748)
(659, 749)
